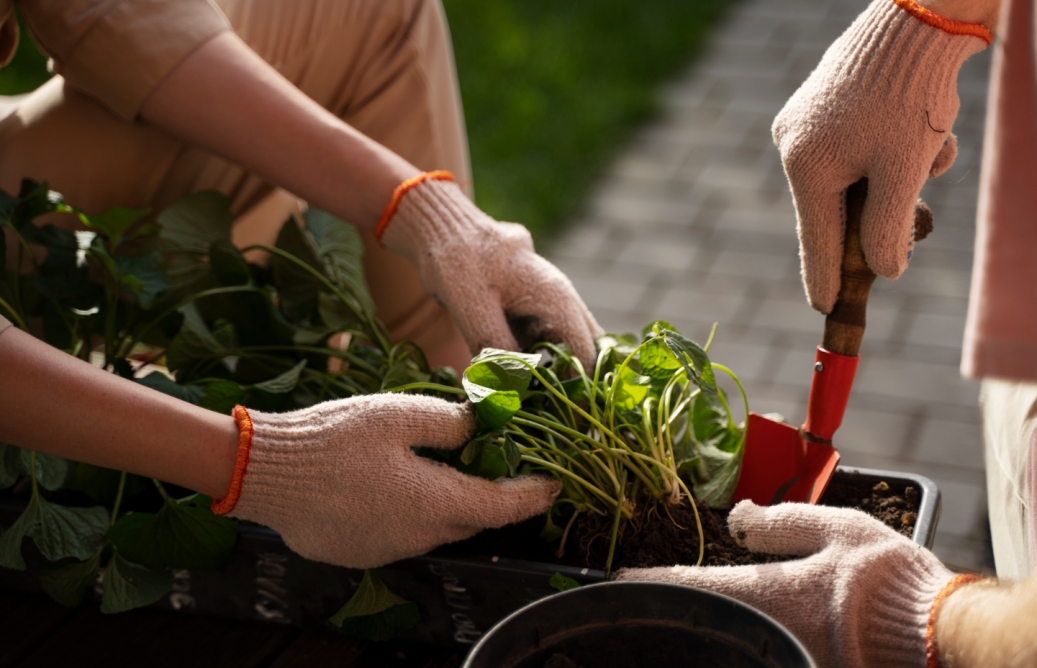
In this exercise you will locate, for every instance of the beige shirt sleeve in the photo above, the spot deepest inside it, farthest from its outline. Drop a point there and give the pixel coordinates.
(118, 51)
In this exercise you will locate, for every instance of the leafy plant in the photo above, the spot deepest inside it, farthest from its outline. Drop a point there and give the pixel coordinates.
(647, 426)
(126, 292)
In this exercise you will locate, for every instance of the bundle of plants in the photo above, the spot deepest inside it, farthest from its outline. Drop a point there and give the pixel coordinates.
(633, 440)
(170, 303)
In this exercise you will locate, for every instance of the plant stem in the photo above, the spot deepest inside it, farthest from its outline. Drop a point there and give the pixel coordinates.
(162, 490)
(32, 473)
(14, 314)
(118, 498)
(427, 386)
(615, 534)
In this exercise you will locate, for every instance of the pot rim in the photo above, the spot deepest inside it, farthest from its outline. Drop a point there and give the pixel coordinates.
(580, 591)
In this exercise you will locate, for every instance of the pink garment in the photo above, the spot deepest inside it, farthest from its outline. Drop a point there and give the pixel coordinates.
(1001, 332)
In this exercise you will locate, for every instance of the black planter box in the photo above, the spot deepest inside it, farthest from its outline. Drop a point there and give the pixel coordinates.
(460, 597)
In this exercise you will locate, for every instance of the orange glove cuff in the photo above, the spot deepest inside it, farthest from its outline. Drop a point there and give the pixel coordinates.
(245, 432)
(947, 25)
(403, 189)
(932, 657)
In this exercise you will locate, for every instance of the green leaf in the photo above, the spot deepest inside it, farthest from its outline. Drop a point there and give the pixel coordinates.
(502, 369)
(194, 343)
(58, 532)
(631, 389)
(159, 381)
(144, 275)
(228, 264)
(562, 583)
(222, 396)
(102, 484)
(575, 388)
(493, 408)
(51, 471)
(189, 228)
(512, 455)
(297, 288)
(709, 420)
(715, 476)
(398, 374)
(114, 222)
(493, 383)
(486, 458)
(8, 472)
(656, 327)
(551, 531)
(284, 383)
(341, 250)
(657, 360)
(335, 314)
(67, 583)
(700, 370)
(128, 585)
(374, 612)
(472, 450)
(180, 535)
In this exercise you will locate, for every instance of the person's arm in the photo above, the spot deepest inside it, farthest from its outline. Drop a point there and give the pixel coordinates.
(983, 12)
(225, 98)
(54, 403)
(987, 625)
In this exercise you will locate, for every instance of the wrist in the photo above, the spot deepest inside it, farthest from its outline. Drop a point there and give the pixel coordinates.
(980, 12)
(933, 13)
(966, 624)
(244, 434)
(431, 216)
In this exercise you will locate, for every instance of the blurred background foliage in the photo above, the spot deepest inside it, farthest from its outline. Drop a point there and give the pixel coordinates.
(551, 90)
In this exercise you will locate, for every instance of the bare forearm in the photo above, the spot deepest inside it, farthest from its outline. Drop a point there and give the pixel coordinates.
(227, 99)
(54, 403)
(983, 12)
(986, 625)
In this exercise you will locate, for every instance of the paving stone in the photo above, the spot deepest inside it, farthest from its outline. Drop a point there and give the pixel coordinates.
(946, 441)
(931, 329)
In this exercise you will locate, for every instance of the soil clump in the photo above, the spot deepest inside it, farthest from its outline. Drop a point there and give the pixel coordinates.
(666, 535)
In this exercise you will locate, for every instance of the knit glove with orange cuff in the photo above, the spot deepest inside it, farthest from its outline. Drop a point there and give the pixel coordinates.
(862, 596)
(341, 484)
(499, 291)
(880, 105)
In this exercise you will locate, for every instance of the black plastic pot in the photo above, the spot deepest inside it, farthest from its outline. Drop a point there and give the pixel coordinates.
(460, 597)
(633, 624)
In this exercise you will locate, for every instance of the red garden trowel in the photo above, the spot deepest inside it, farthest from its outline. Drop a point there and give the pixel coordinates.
(782, 463)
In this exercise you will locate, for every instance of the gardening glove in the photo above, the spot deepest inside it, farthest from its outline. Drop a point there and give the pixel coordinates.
(880, 105)
(860, 597)
(341, 484)
(499, 291)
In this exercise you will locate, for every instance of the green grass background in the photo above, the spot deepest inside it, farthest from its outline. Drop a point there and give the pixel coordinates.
(551, 89)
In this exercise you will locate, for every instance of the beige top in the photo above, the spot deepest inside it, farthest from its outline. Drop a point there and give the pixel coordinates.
(1001, 331)
(116, 51)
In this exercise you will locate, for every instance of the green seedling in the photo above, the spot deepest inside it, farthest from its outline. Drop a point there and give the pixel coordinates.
(647, 427)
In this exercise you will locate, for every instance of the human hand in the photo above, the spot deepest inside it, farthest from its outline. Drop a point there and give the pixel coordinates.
(860, 596)
(499, 291)
(880, 104)
(341, 484)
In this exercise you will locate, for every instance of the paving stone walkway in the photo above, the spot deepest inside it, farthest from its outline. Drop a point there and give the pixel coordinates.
(694, 224)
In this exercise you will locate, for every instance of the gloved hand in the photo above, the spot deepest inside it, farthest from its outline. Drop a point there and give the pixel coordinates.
(499, 291)
(860, 598)
(880, 105)
(341, 484)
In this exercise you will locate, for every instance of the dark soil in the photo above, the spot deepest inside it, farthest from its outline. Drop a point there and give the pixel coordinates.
(667, 536)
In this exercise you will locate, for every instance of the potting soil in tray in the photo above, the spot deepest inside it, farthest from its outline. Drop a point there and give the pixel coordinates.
(668, 536)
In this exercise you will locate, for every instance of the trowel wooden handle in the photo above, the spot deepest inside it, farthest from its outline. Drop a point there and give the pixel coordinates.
(844, 326)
